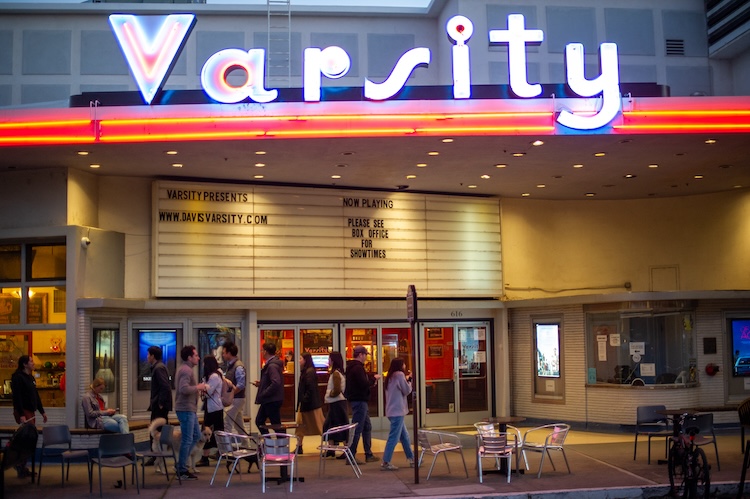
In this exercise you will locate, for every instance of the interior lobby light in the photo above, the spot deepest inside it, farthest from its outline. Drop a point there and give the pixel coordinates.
(537, 143)
(95, 166)
(83, 153)
(176, 165)
(170, 153)
(578, 165)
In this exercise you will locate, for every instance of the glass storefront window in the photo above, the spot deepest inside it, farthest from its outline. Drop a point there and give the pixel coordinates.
(367, 337)
(41, 307)
(23, 306)
(10, 262)
(318, 343)
(48, 351)
(46, 261)
(10, 305)
(284, 341)
(652, 347)
(211, 342)
(472, 368)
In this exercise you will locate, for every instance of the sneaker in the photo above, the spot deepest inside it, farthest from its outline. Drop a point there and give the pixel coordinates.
(411, 463)
(387, 467)
(186, 475)
(371, 459)
(203, 462)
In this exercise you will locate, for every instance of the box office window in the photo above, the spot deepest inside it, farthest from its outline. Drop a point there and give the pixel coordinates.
(652, 346)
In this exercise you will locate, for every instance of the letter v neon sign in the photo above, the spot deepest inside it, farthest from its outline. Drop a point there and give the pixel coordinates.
(151, 46)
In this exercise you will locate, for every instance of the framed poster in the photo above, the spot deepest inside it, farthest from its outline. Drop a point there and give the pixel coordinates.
(435, 351)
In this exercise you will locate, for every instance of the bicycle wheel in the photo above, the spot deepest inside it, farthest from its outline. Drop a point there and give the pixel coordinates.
(697, 475)
(675, 468)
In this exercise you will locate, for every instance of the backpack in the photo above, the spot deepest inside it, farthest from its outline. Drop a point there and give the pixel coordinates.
(227, 392)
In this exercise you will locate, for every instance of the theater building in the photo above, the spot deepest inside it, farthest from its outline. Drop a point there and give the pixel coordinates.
(566, 188)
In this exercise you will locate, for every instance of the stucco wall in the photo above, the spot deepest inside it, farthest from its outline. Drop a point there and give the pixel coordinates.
(554, 248)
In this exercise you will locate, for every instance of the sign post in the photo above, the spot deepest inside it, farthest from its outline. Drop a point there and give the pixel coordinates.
(411, 312)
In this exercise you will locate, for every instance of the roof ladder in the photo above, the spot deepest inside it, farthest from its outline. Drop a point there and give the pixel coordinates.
(279, 47)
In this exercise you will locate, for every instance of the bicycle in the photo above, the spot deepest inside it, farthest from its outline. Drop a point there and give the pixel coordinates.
(689, 471)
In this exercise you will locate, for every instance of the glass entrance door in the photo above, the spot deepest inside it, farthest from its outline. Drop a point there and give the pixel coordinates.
(455, 366)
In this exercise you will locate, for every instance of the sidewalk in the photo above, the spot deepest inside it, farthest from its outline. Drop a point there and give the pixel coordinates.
(602, 468)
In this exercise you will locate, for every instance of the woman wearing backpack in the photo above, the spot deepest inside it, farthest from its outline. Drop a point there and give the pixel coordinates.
(213, 415)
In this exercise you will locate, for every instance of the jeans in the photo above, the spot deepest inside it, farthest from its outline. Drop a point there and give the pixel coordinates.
(361, 416)
(191, 433)
(397, 433)
(270, 411)
(116, 423)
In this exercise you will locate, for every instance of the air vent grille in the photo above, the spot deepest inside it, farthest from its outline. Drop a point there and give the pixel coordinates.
(675, 47)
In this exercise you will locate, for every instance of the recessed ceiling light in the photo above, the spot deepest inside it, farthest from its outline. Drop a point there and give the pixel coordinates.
(170, 153)
(260, 153)
(710, 141)
(83, 153)
(411, 177)
(421, 165)
(578, 165)
(447, 141)
(258, 176)
(526, 194)
(725, 166)
(653, 165)
(347, 153)
(541, 186)
(600, 154)
(557, 176)
(95, 166)
(341, 165)
(485, 177)
(471, 186)
(433, 153)
(537, 143)
(501, 165)
(626, 141)
(629, 175)
(518, 154)
(177, 165)
(590, 194)
(335, 176)
(260, 165)
(698, 176)
(737, 186)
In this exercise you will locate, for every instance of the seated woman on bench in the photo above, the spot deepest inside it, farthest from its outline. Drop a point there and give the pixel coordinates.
(97, 416)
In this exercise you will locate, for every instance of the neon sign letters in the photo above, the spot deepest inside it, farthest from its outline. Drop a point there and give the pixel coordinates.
(151, 45)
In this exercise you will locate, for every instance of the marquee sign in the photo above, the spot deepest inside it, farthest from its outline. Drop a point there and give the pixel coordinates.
(151, 45)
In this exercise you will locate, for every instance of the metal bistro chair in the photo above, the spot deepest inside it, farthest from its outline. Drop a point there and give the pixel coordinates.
(436, 443)
(234, 447)
(706, 434)
(545, 438)
(497, 445)
(328, 445)
(113, 452)
(60, 435)
(743, 411)
(649, 422)
(166, 449)
(278, 450)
